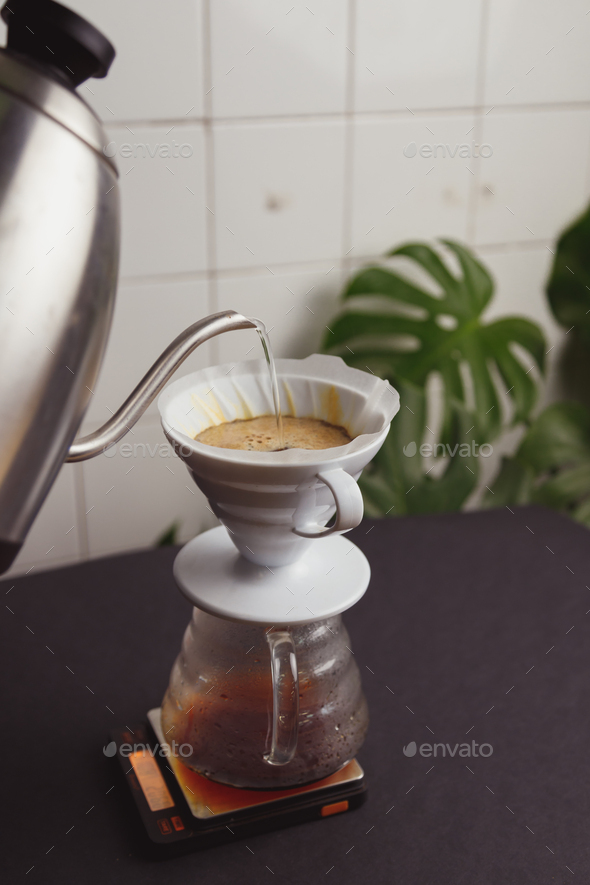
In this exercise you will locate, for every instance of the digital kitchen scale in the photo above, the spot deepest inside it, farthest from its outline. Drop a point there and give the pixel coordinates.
(183, 811)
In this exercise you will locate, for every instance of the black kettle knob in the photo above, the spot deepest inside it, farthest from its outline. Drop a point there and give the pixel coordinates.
(53, 36)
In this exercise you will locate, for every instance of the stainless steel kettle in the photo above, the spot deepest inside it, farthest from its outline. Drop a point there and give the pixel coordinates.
(59, 256)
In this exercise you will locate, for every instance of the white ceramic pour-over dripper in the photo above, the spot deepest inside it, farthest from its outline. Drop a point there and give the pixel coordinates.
(274, 504)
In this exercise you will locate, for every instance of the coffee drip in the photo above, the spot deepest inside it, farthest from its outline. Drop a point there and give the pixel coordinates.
(266, 690)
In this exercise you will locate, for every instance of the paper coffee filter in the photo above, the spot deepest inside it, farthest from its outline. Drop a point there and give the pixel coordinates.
(319, 386)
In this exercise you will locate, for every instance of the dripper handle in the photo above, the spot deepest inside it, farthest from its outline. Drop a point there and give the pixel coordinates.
(285, 697)
(349, 504)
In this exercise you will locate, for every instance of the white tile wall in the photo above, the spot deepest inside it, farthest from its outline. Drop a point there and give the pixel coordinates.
(294, 306)
(297, 118)
(537, 52)
(278, 190)
(162, 171)
(520, 275)
(148, 316)
(157, 73)
(272, 58)
(537, 177)
(417, 55)
(136, 490)
(419, 196)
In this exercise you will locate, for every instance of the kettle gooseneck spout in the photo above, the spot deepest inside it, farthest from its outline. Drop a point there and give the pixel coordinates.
(153, 381)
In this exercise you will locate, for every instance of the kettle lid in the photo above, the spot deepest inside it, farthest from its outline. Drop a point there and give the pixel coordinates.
(61, 40)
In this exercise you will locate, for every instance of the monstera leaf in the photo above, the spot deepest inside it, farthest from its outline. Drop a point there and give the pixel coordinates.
(551, 465)
(569, 285)
(404, 333)
(397, 482)
(412, 334)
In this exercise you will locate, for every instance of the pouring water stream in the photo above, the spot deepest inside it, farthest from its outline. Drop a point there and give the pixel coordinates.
(274, 384)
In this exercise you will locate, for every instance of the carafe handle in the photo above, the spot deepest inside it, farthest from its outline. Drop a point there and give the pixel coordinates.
(285, 697)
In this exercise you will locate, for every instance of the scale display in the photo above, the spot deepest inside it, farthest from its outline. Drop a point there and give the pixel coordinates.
(217, 813)
(151, 781)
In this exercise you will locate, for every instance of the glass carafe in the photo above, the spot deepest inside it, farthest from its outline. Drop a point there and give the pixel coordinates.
(264, 707)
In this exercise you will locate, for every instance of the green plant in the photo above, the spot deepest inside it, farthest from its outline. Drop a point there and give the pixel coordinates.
(169, 536)
(568, 293)
(568, 289)
(551, 466)
(401, 331)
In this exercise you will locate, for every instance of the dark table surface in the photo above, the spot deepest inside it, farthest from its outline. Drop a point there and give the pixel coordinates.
(476, 628)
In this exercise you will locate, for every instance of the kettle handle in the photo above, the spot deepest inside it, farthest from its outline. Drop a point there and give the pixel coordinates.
(285, 697)
(153, 381)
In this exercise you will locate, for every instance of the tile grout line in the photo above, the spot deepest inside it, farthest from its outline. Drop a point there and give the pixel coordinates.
(349, 137)
(306, 266)
(339, 116)
(211, 232)
(538, 245)
(473, 200)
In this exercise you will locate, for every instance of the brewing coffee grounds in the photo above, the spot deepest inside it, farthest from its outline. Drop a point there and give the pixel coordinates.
(260, 434)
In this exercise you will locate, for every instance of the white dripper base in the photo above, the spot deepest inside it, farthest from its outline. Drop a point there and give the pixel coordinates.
(330, 578)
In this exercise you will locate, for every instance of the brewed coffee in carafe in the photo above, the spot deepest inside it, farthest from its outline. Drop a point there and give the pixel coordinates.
(220, 701)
